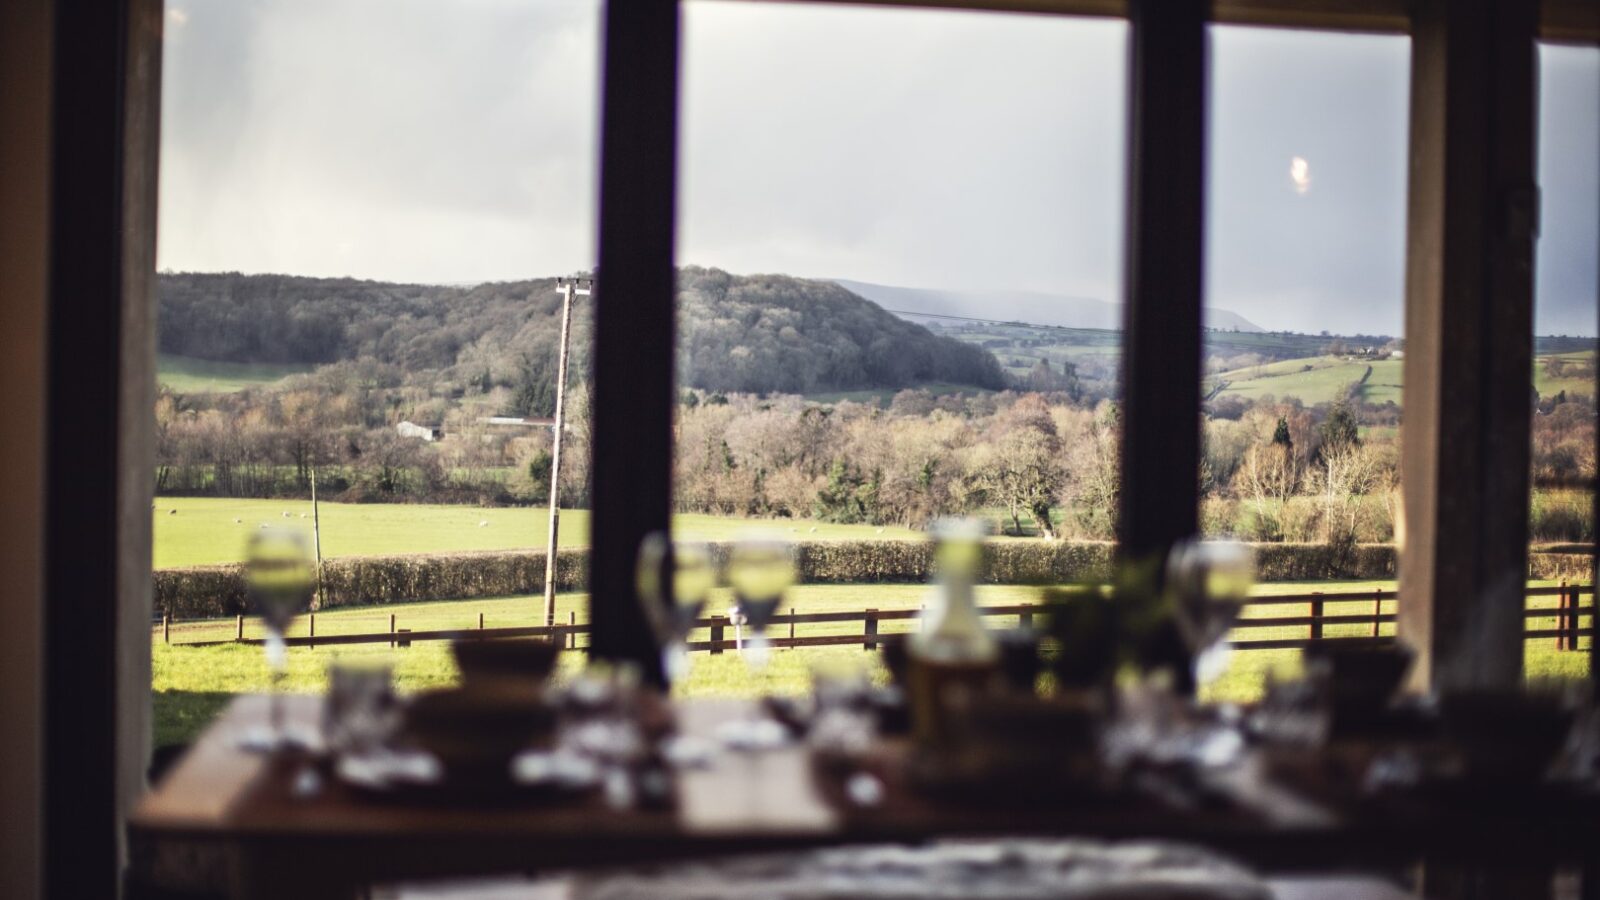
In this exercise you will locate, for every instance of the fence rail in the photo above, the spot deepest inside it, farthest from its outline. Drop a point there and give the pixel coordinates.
(1567, 613)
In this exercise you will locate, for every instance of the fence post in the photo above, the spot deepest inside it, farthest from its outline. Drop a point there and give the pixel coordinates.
(1561, 616)
(391, 631)
(480, 621)
(716, 632)
(871, 631)
(166, 628)
(572, 635)
(311, 624)
(791, 626)
(1577, 608)
(238, 628)
(1377, 609)
(1316, 615)
(1573, 600)
(403, 641)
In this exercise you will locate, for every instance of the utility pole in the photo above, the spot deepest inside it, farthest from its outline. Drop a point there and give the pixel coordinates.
(569, 288)
(316, 534)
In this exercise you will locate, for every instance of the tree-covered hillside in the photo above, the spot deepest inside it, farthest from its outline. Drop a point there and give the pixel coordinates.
(773, 333)
(754, 334)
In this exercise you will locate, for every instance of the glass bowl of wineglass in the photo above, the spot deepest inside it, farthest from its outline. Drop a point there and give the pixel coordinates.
(689, 569)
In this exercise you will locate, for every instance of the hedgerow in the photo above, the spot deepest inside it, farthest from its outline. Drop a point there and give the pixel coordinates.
(205, 591)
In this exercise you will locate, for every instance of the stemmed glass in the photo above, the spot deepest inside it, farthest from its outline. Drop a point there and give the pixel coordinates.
(279, 579)
(760, 570)
(1210, 581)
(689, 568)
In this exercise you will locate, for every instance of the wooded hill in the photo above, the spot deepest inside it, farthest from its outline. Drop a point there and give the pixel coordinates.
(757, 334)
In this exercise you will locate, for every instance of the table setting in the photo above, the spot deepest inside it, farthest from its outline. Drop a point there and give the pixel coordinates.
(1081, 721)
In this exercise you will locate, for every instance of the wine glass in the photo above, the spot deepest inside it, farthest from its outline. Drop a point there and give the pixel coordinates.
(279, 579)
(760, 570)
(688, 567)
(1210, 581)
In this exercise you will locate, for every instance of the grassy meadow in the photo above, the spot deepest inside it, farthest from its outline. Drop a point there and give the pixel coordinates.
(1315, 380)
(1323, 379)
(881, 397)
(1549, 386)
(192, 683)
(187, 375)
(194, 531)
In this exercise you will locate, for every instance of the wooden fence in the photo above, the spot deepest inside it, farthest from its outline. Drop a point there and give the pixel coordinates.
(722, 632)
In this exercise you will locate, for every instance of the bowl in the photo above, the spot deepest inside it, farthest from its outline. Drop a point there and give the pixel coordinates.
(477, 729)
(528, 660)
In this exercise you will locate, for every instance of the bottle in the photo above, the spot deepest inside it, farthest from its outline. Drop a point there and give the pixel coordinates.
(953, 658)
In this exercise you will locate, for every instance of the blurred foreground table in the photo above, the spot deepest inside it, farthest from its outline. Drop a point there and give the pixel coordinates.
(223, 818)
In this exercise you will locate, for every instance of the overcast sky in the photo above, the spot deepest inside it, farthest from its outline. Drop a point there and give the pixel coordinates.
(406, 140)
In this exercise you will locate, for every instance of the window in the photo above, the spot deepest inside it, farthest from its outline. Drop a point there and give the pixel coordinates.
(362, 220)
(1561, 508)
(900, 240)
(1304, 337)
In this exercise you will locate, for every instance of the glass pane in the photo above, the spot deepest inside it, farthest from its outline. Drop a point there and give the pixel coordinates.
(899, 299)
(1566, 286)
(362, 216)
(1305, 301)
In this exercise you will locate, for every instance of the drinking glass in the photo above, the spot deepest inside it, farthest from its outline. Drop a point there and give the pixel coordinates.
(361, 712)
(760, 570)
(1210, 581)
(689, 569)
(843, 722)
(279, 579)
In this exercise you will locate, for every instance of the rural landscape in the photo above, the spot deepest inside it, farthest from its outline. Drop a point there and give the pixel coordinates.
(832, 413)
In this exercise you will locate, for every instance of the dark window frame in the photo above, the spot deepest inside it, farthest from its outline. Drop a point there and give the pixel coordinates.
(104, 166)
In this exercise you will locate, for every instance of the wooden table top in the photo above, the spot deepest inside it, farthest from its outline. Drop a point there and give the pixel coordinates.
(775, 800)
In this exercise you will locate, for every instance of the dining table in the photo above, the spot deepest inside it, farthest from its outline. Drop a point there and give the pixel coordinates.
(250, 825)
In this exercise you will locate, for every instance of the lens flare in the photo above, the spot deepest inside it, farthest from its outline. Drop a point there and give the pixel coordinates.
(1300, 174)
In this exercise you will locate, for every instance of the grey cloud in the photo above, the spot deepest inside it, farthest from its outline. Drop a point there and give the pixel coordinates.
(411, 140)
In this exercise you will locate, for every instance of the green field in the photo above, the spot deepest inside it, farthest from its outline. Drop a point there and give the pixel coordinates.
(192, 683)
(882, 396)
(192, 531)
(187, 375)
(1318, 379)
(1322, 379)
(1548, 386)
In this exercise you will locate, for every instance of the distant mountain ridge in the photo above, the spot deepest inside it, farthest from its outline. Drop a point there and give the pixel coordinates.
(1017, 306)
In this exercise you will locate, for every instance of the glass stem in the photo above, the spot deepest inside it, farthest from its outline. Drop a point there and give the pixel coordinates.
(756, 648)
(275, 707)
(278, 661)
